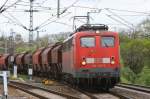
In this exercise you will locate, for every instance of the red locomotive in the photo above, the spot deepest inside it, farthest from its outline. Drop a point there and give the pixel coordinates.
(89, 57)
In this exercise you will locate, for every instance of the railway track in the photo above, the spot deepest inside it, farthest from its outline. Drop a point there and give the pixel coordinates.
(111, 93)
(40, 92)
(135, 87)
(79, 94)
(132, 91)
(97, 94)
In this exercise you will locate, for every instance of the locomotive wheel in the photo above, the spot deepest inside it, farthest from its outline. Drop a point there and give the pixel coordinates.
(72, 81)
(106, 84)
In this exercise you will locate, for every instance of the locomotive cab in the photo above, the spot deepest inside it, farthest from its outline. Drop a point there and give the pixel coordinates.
(93, 57)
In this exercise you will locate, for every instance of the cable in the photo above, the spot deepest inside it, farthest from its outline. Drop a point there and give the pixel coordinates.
(45, 21)
(39, 27)
(84, 7)
(36, 3)
(68, 7)
(119, 21)
(130, 15)
(3, 6)
(56, 15)
(81, 21)
(63, 23)
(119, 17)
(43, 2)
(25, 5)
(4, 9)
(24, 27)
(15, 19)
(128, 11)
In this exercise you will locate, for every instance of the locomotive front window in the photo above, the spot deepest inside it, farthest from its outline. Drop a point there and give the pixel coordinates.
(87, 41)
(107, 41)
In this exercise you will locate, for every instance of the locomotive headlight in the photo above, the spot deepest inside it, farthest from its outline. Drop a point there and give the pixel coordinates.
(83, 63)
(97, 31)
(112, 62)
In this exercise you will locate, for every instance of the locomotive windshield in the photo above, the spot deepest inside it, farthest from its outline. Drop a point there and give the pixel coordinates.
(87, 41)
(107, 41)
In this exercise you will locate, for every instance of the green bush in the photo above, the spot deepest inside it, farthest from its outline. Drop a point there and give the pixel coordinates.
(135, 55)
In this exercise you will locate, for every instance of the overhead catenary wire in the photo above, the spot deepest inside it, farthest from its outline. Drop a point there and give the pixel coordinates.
(42, 7)
(5, 8)
(46, 21)
(129, 11)
(63, 23)
(35, 3)
(1, 8)
(43, 2)
(125, 21)
(129, 15)
(24, 27)
(52, 18)
(77, 6)
(39, 27)
(16, 20)
(81, 21)
(68, 7)
(119, 21)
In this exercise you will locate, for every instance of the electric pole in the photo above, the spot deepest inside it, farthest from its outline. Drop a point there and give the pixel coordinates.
(58, 8)
(6, 46)
(31, 23)
(11, 42)
(37, 39)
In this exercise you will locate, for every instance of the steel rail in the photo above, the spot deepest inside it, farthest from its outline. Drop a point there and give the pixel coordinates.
(14, 84)
(119, 95)
(135, 87)
(92, 96)
(69, 96)
(27, 91)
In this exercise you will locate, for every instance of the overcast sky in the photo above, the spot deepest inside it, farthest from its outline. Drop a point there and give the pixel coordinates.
(115, 18)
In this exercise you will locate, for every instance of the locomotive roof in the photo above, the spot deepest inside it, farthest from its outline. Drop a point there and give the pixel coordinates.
(88, 27)
(90, 32)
